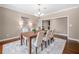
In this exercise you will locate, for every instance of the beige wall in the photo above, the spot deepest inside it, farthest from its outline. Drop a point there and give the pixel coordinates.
(1, 23)
(9, 22)
(73, 17)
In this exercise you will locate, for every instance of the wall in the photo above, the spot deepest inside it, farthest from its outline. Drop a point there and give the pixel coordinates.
(1, 24)
(73, 17)
(9, 21)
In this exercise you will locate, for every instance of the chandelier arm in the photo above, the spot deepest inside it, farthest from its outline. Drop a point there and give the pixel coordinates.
(39, 14)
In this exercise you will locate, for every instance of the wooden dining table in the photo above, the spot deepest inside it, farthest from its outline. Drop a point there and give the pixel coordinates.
(29, 35)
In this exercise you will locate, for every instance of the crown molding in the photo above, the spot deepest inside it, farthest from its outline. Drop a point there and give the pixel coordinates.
(66, 9)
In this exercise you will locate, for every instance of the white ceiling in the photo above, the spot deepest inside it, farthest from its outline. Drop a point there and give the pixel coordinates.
(33, 8)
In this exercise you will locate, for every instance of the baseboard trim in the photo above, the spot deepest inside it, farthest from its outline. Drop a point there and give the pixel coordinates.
(8, 40)
(60, 36)
(73, 39)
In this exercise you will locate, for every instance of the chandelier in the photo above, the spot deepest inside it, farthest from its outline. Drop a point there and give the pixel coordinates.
(39, 13)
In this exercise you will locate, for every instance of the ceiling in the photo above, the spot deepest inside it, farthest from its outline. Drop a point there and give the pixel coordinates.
(33, 8)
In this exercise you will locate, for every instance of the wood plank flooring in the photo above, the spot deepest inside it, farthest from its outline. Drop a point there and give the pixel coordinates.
(71, 47)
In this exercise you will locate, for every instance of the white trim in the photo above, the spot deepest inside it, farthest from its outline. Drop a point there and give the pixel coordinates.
(63, 10)
(67, 26)
(61, 34)
(59, 17)
(73, 39)
(9, 38)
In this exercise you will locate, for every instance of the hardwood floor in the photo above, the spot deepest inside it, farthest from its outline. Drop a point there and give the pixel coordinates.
(71, 47)
(1, 48)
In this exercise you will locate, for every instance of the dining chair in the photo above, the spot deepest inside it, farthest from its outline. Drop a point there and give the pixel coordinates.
(25, 40)
(38, 43)
(51, 35)
(24, 29)
(47, 38)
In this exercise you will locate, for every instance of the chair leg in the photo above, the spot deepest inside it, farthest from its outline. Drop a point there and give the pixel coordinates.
(41, 47)
(22, 41)
(36, 50)
(45, 44)
(26, 42)
(52, 39)
(48, 42)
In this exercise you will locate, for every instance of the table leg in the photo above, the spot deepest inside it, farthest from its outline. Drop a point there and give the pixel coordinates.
(30, 46)
(21, 38)
(1, 48)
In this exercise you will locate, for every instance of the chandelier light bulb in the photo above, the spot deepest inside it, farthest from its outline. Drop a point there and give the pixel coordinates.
(39, 13)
